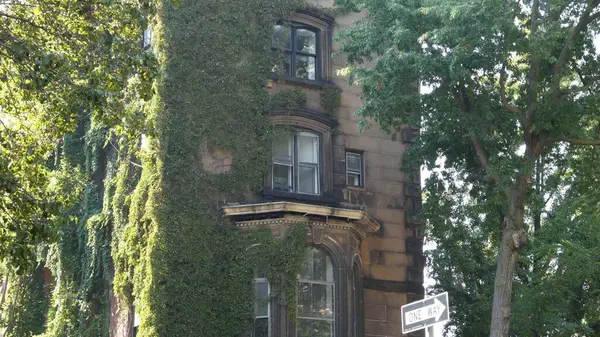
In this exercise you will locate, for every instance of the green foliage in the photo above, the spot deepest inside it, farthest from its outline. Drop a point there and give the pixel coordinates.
(57, 58)
(280, 260)
(28, 318)
(512, 95)
(292, 99)
(331, 99)
(134, 205)
(185, 269)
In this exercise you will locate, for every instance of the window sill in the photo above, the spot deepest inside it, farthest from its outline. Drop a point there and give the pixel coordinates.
(319, 84)
(355, 188)
(315, 199)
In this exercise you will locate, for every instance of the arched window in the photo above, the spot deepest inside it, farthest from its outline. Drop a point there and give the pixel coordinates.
(316, 295)
(300, 46)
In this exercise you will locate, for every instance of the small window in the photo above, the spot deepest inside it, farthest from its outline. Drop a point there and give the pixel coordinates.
(300, 50)
(296, 163)
(147, 38)
(354, 169)
(262, 308)
(136, 323)
(316, 291)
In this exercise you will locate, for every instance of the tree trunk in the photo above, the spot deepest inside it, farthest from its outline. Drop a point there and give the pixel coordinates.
(513, 238)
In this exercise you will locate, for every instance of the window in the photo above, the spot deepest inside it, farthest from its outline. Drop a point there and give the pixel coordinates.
(354, 169)
(136, 323)
(299, 45)
(316, 291)
(296, 163)
(262, 308)
(147, 38)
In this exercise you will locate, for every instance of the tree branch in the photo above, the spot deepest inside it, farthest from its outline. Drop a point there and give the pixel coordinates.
(575, 141)
(593, 17)
(483, 157)
(507, 106)
(534, 70)
(23, 20)
(583, 21)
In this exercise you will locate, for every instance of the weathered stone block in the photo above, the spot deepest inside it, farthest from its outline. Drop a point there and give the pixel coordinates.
(375, 312)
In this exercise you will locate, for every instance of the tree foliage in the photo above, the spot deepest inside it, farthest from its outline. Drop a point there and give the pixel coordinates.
(514, 93)
(59, 60)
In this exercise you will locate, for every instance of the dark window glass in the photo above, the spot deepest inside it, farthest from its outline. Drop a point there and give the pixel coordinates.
(296, 50)
(262, 308)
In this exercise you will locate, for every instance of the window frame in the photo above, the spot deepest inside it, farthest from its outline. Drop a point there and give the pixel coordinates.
(335, 318)
(147, 38)
(295, 188)
(293, 51)
(268, 317)
(361, 173)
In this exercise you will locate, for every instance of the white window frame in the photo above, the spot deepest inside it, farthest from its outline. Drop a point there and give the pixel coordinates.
(296, 164)
(360, 172)
(333, 297)
(147, 38)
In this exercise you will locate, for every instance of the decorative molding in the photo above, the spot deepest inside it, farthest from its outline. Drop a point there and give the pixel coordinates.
(310, 224)
(352, 217)
(310, 114)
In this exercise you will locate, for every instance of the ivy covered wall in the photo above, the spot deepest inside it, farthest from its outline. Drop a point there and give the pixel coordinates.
(145, 218)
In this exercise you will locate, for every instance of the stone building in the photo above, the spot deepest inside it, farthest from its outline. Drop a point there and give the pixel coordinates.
(363, 257)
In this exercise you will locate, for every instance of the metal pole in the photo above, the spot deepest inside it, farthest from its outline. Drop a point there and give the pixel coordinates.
(430, 331)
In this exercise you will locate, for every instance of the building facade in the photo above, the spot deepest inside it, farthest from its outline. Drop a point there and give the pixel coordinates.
(363, 258)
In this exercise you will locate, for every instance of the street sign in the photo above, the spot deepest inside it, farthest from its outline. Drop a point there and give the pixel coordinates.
(421, 314)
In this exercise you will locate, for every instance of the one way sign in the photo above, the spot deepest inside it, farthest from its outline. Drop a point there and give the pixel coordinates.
(421, 314)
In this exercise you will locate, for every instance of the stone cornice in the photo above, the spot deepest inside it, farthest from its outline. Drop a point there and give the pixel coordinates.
(357, 219)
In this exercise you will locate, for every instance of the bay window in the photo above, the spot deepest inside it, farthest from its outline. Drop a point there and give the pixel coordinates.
(296, 163)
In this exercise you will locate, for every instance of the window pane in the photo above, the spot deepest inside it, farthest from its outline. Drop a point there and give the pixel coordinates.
(322, 329)
(261, 293)
(313, 328)
(304, 328)
(305, 67)
(281, 62)
(307, 179)
(281, 37)
(306, 40)
(320, 265)
(304, 299)
(306, 272)
(308, 148)
(147, 37)
(353, 179)
(353, 161)
(322, 300)
(261, 327)
(282, 177)
(283, 149)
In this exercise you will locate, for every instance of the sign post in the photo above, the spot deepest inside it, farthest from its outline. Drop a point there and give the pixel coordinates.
(425, 313)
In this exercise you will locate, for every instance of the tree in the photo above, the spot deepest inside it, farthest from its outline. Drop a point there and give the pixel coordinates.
(59, 61)
(512, 82)
(556, 274)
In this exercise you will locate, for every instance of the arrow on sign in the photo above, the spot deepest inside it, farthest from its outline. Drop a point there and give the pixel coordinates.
(434, 310)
